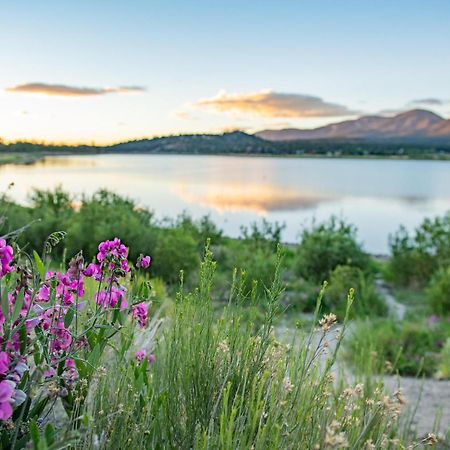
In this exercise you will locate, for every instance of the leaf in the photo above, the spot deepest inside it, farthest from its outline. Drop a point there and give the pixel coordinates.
(49, 434)
(69, 317)
(17, 306)
(39, 265)
(34, 433)
(5, 304)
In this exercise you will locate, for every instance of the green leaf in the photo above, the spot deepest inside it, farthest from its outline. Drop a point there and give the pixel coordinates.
(34, 433)
(5, 304)
(17, 306)
(39, 265)
(69, 317)
(49, 434)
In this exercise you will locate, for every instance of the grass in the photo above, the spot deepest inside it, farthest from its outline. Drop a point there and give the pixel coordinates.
(222, 383)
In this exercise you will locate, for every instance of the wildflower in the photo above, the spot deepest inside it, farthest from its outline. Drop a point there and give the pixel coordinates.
(6, 256)
(49, 373)
(430, 439)
(143, 262)
(110, 297)
(113, 254)
(399, 396)
(140, 355)
(140, 314)
(223, 347)
(4, 363)
(70, 374)
(6, 394)
(327, 321)
(76, 267)
(288, 386)
(62, 338)
(91, 270)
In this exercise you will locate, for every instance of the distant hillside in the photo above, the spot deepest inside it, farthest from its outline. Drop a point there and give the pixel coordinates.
(406, 135)
(418, 124)
(235, 142)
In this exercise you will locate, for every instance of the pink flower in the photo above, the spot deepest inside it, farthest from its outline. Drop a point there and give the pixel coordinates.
(6, 393)
(91, 270)
(140, 355)
(140, 314)
(4, 363)
(143, 262)
(43, 293)
(113, 251)
(6, 256)
(50, 373)
(109, 298)
(61, 338)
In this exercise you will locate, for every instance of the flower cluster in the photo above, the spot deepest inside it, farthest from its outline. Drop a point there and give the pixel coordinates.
(6, 256)
(48, 313)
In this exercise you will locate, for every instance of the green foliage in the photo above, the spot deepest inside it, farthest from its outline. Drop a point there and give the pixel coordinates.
(326, 246)
(367, 301)
(218, 382)
(416, 257)
(408, 348)
(443, 369)
(174, 250)
(438, 292)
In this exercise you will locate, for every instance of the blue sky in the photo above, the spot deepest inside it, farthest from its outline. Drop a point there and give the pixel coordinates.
(215, 65)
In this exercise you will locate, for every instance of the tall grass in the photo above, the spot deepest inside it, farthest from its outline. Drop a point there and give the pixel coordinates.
(221, 383)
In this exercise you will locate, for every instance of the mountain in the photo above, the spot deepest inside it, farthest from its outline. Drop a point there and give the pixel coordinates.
(415, 124)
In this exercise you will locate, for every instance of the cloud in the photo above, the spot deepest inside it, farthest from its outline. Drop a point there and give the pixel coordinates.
(183, 115)
(275, 104)
(62, 90)
(428, 102)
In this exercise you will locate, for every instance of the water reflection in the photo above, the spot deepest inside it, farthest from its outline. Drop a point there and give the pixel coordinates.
(375, 195)
(261, 199)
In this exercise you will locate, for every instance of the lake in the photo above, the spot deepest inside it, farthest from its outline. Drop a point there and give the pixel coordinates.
(375, 195)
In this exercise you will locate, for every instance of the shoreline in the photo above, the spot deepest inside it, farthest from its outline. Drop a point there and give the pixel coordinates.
(25, 158)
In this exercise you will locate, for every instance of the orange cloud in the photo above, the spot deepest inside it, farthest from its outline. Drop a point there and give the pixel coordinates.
(275, 104)
(62, 90)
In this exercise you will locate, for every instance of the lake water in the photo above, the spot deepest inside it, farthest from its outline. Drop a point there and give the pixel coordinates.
(376, 195)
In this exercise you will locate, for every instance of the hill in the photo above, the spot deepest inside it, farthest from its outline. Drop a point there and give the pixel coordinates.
(418, 124)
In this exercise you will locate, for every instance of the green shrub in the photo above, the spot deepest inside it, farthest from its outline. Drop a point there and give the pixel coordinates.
(326, 246)
(367, 301)
(174, 250)
(408, 348)
(416, 257)
(438, 292)
(443, 369)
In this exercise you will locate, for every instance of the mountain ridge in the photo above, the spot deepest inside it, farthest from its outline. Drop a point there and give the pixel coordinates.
(416, 123)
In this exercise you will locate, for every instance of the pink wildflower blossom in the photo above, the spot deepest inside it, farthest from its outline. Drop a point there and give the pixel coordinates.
(6, 256)
(143, 262)
(6, 394)
(140, 314)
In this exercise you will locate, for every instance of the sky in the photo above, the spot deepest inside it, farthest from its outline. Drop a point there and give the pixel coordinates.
(107, 71)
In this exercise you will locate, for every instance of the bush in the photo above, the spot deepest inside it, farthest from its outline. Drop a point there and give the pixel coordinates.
(415, 258)
(174, 251)
(367, 301)
(408, 348)
(438, 292)
(326, 246)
